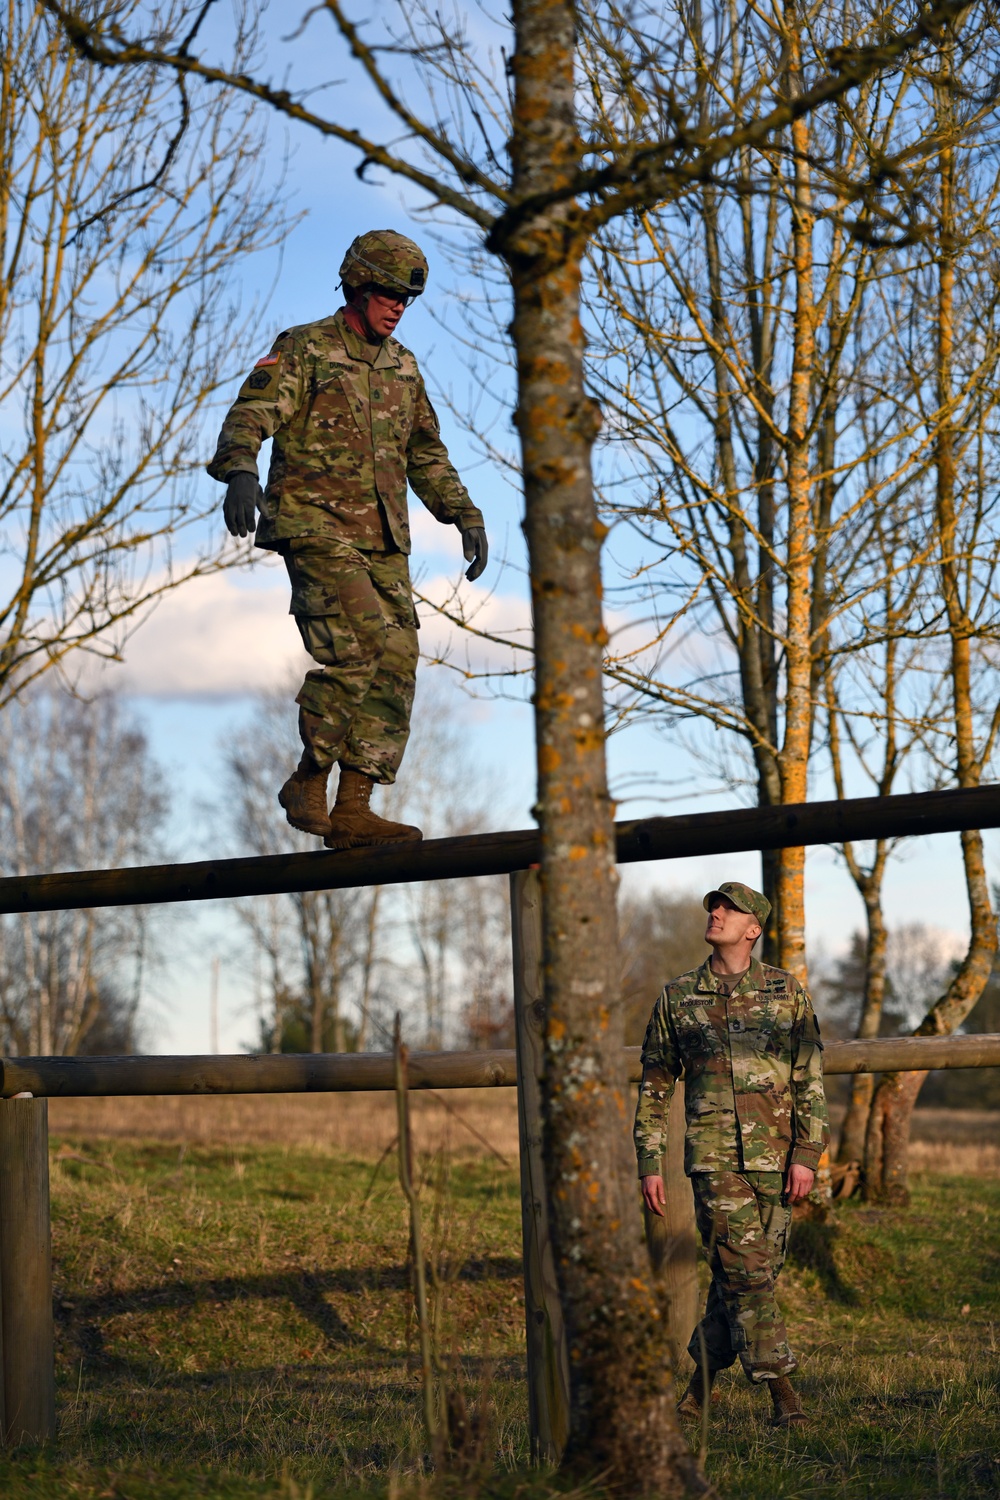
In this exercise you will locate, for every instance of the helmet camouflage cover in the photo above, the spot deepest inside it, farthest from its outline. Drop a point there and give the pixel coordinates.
(388, 259)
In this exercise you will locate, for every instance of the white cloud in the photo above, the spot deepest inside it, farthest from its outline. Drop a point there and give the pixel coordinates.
(230, 633)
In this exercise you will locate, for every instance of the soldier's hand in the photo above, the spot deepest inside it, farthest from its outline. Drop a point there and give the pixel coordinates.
(653, 1195)
(476, 550)
(243, 495)
(799, 1183)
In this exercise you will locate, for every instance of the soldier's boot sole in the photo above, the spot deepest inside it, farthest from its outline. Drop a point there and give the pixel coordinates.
(368, 832)
(353, 825)
(303, 798)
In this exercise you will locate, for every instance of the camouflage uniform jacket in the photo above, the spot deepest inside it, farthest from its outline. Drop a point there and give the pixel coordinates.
(753, 1074)
(351, 423)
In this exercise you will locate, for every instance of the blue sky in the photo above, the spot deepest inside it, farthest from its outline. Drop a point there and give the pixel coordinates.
(191, 669)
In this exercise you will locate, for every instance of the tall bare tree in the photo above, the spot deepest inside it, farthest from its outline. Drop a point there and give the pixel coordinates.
(875, 722)
(961, 405)
(537, 175)
(80, 790)
(127, 204)
(755, 470)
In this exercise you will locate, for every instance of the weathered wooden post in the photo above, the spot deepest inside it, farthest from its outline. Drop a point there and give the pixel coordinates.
(548, 1365)
(3, 1400)
(28, 1346)
(672, 1242)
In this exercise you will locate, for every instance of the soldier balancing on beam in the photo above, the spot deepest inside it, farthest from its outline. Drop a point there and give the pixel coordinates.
(746, 1040)
(352, 425)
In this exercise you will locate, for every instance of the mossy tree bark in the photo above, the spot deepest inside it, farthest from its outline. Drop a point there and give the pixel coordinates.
(869, 882)
(621, 1387)
(793, 760)
(851, 1146)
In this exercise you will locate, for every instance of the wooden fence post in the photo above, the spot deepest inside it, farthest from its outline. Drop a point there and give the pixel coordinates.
(672, 1240)
(26, 1273)
(548, 1365)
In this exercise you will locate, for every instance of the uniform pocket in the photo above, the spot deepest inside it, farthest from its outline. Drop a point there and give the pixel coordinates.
(329, 640)
(338, 403)
(712, 1220)
(310, 571)
(315, 599)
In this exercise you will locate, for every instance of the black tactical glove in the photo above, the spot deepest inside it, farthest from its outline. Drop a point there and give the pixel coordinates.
(243, 495)
(477, 551)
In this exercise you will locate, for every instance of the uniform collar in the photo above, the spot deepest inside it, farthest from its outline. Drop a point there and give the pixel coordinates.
(381, 357)
(753, 979)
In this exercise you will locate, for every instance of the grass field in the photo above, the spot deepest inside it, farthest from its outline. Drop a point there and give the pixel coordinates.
(233, 1314)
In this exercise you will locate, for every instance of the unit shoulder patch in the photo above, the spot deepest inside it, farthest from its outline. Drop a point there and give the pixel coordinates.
(263, 377)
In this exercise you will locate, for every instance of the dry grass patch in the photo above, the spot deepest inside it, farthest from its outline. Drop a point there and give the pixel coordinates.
(471, 1122)
(465, 1122)
(234, 1318)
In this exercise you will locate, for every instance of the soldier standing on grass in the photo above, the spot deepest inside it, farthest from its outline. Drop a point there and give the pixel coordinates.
(747, 1042)
(352, 424)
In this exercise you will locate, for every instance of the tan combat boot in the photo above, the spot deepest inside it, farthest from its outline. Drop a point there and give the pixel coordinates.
(353, 825)
(692, 1403)
(303, 797)
(787, 1406)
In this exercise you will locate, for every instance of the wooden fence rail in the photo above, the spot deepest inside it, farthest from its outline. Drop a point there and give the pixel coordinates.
(27, 1391)
(692, 834)
(360, 1072)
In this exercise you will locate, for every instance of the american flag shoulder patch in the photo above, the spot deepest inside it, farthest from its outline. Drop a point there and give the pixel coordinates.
(269, 359)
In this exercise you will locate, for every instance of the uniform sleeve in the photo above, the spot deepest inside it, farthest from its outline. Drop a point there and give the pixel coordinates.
(268, 399)
(430, 471)
(812, 1120)
(661, 1067)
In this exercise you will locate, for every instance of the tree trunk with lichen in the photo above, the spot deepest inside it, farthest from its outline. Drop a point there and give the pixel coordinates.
(852, 1133)
(793, 761)
(888, 1136)
(622, 1419)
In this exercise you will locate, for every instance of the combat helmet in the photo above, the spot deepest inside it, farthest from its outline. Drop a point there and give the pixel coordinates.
(388, 259)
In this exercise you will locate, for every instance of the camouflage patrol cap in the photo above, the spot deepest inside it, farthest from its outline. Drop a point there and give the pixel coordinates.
(744, 897)
(388, 259)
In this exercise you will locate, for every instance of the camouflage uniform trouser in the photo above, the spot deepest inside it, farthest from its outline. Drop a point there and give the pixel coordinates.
(356, 617)
(744, 1228)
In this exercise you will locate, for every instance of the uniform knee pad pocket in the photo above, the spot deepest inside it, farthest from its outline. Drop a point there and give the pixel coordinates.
(331, 641)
